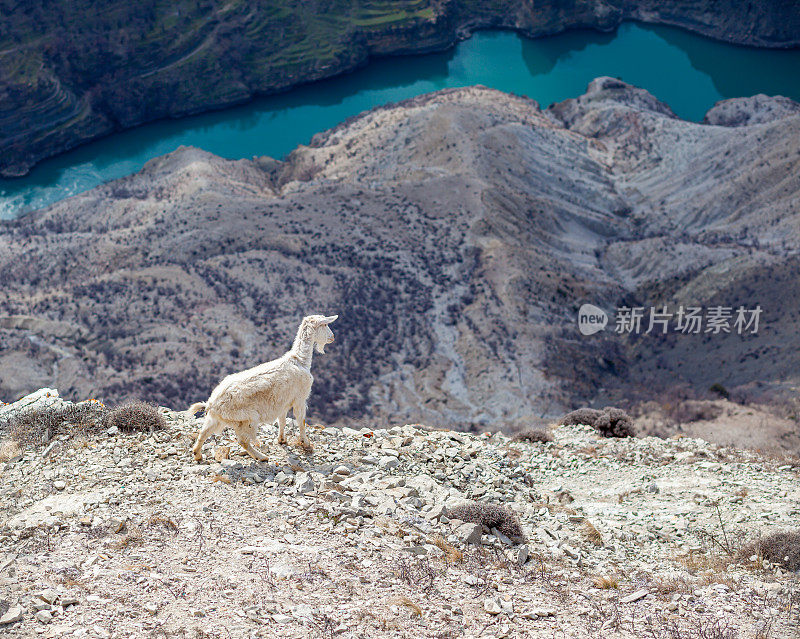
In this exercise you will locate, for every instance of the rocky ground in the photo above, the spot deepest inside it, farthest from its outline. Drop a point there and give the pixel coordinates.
(123, 534)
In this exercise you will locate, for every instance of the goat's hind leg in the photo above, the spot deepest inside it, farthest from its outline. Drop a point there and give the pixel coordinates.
(211, 426)
(245, 433)
(282, 429)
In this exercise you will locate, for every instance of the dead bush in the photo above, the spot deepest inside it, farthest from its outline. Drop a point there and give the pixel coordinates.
(491, 516)
(533, 435)
(135, 416)
(38, 426)
(591, 534)
(687, 412)
(782, 548)
(582, 416)
(609, 422)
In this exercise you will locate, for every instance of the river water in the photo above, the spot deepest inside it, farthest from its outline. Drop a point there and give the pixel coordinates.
(687, 71)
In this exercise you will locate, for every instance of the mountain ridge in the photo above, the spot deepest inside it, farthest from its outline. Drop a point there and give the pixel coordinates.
(456, 309)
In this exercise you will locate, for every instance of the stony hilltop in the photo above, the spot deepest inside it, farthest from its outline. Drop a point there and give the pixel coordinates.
(121, 534)
(455, 234)
(75, 71)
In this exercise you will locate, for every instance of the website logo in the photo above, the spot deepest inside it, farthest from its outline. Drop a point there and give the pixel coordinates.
(591, 319)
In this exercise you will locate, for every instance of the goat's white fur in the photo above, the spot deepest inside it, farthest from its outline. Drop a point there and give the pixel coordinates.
(266, 392)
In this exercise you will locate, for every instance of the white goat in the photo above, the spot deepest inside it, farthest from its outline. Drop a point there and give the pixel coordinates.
(266, 392)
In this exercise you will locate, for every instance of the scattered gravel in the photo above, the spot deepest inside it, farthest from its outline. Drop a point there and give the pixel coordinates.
(125, 535)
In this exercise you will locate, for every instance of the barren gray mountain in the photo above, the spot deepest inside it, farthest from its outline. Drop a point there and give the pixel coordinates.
(455, 234)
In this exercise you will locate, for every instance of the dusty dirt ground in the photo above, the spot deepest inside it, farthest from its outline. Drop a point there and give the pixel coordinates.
(124, 535)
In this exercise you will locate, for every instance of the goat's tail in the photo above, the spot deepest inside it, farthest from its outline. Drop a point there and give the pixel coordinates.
(196, 407)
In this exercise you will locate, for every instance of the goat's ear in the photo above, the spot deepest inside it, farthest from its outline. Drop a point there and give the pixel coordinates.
(329, 319)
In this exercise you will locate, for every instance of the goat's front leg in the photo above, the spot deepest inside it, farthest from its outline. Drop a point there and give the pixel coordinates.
(300, 416)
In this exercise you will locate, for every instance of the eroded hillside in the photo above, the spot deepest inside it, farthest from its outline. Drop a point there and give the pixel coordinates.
(455, 234)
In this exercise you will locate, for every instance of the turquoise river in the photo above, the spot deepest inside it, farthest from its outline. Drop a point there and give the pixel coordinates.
(688, 72)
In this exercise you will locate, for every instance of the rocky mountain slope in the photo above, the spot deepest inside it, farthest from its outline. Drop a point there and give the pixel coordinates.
(455, 234)
(72, 72)
(109, 534)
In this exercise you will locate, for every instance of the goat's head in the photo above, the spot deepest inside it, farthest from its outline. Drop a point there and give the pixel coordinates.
(322, 333)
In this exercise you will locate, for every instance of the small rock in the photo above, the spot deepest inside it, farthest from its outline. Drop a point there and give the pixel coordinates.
(151, 608)
(222, 452)
(416, 550)
(544, 612)
(437, 512)
(44, 616)
(492, 606)
(59, 484)
(117, 524)
(634, 596)
(48, 595)
(304, 484)
(502, 538)
(523, 552)
(12, 614)
(38, 604)
(570, 552)
(469, 533)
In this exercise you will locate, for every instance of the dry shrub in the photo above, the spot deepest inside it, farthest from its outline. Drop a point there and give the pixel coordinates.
(405, 601)
(533, 435)
(606, 582)
(511, 453)
(609, 422)
(591, 534)
(696, 562)
(38, 426)
(582, 416)
(132, 538)
(166, 523)
(670, 585)
(451, 554)
(491, 516)
(9, 449)
(135, 416)
(781, 548)
(688, 411)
